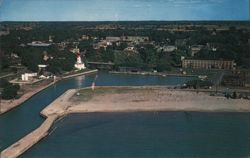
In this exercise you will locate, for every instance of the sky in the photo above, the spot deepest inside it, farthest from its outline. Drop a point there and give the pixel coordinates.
(123, 10)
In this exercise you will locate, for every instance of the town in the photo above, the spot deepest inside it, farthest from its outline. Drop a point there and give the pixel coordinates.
(34, 54)
(122, 78)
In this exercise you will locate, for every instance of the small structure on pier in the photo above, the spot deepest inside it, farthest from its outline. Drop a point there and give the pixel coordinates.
(79, 64)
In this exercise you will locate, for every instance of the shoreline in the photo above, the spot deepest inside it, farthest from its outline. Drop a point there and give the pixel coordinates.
(67, 104)
(7, 105)
(153, 74)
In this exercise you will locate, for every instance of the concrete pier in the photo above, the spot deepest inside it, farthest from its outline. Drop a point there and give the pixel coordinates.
(55, 110)
(79, 74)
(52, 112)
(29, 140)
(124, 99)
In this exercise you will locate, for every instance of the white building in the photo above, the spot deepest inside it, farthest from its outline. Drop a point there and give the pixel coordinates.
(38, 44)
(28, 76)
(85, 37)
(167, 49)
(79, 64)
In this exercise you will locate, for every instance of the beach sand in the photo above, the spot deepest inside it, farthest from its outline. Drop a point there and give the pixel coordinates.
(124, 99)
(152, 99)
(119, 99)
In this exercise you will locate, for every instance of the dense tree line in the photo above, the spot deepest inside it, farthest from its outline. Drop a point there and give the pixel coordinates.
(9, 90)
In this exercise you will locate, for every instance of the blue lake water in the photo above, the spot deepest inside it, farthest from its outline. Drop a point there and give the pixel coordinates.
(147, 135)
(144, 134)
(25, 118)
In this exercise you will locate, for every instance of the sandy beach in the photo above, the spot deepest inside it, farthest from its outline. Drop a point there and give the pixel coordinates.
(152, 98)
(121, 99)
(124, 99)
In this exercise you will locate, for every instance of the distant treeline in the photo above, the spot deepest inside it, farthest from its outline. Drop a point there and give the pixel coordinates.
(232, 43)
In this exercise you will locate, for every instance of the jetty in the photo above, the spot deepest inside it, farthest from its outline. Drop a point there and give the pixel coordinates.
(52, 114)
(124, 99)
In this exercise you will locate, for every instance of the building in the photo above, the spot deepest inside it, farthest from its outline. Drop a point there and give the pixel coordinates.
(208, 64)
(135, 39)
(85, 37)
(38, 44)
(113, 39)
(79, 65)
(167, 49)
(28, 76)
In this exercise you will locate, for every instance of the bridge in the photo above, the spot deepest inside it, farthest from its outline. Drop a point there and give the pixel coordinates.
(101, 65)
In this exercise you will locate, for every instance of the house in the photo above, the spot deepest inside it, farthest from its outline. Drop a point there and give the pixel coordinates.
(208, 64)
(167, 49)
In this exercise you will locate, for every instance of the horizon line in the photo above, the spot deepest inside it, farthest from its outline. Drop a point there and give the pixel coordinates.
(245, 20)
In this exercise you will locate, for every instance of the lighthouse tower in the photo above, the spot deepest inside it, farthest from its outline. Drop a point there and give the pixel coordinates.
(79, 64)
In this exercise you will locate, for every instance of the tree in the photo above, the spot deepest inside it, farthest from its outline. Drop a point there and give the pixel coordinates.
(163, 65)
(4, 62)
(128, 59)
(10, 91)
(107, 55)
(148, 55)
(4, 83)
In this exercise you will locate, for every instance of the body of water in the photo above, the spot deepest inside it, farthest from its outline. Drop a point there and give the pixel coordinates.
(22, 120)
(147, 135)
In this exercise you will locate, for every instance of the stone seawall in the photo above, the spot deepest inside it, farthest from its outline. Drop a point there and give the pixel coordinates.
(52, 112)
(124, 99)
(29, 140)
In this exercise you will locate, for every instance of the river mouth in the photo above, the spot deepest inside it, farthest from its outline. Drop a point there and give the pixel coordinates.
(22, 120)
(147, 134)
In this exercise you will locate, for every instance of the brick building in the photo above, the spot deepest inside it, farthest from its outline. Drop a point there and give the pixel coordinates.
(208, 64)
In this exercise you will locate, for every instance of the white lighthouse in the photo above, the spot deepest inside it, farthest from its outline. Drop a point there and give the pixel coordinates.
(79, 64)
